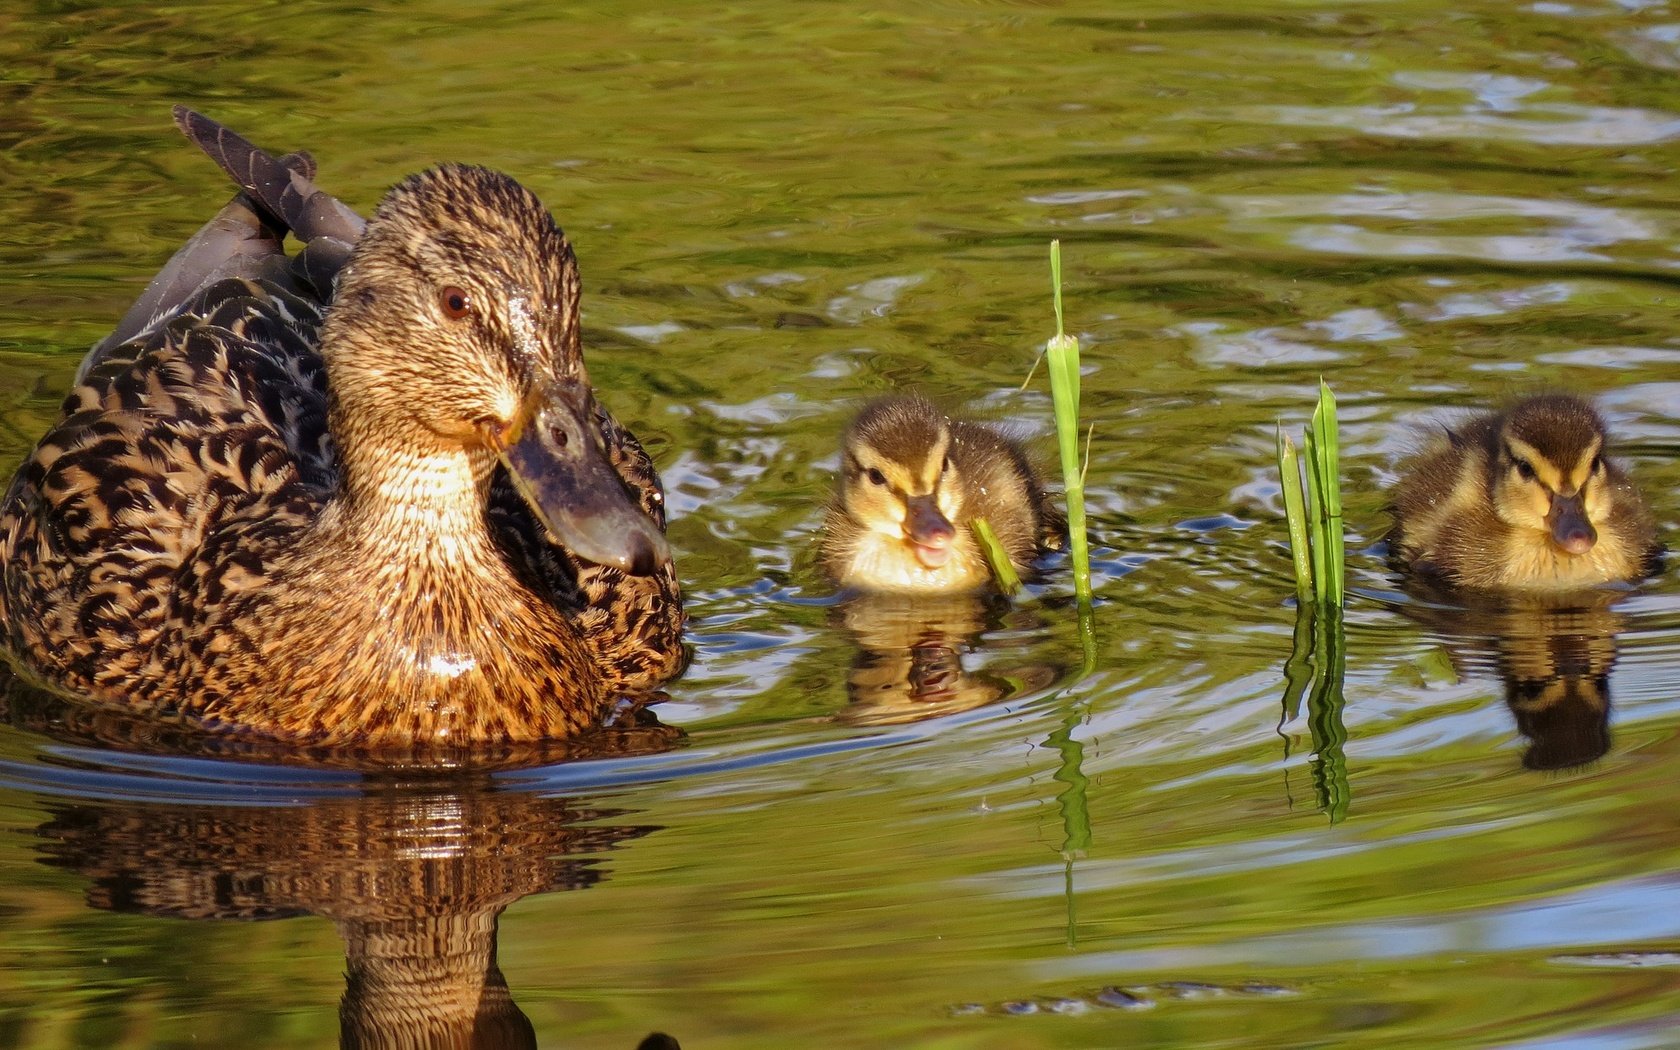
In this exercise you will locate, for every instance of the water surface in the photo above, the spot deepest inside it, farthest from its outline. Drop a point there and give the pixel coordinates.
(781, 210)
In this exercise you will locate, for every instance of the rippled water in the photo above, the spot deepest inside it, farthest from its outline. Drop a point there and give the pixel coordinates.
(781, 210)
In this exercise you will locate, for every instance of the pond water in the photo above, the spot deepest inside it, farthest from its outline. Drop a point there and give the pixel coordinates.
(781, 210)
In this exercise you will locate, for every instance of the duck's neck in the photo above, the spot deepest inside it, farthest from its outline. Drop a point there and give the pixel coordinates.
(417, 494)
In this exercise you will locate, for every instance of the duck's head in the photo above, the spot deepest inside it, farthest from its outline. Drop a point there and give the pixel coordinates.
(897, 476)
(456, 321)
(1549, 471)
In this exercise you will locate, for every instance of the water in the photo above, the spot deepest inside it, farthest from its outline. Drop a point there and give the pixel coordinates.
(781, 210)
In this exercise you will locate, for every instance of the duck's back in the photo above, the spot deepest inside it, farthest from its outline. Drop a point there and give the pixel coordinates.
(116, 527)
(1001, 486)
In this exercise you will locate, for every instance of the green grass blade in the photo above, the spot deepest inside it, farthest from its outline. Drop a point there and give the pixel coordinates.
(1315, 522)
(1327, 463)
(1056, 281)
(1295, 513)
(1062, 355)
(1003, 570)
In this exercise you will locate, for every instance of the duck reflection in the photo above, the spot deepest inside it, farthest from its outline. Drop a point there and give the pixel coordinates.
(910, 656)
(1554, 657)
(414, 875)
(414, 870)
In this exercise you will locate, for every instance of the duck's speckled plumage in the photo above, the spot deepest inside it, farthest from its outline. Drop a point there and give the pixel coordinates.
(909, 473)
(1498, 502)
(278, 506)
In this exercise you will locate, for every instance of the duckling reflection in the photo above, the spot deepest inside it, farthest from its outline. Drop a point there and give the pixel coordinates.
(1554, 659)
(910, 656)
(912, 482)
(415, 877)
(1523, 500)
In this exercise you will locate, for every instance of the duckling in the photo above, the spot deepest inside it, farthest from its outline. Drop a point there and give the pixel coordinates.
(911, 484)
(1526, 499)
(364, 496)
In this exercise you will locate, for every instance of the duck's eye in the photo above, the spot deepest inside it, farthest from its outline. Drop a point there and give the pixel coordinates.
(875, 476)
(945, 466)
(456, 303)
(1597, 465)
(1524, 471)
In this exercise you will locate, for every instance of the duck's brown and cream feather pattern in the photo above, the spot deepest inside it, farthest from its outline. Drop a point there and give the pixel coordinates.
(183, 544)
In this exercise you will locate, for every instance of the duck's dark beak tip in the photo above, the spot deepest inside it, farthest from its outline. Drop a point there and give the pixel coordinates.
(559, 467)
(643, 560)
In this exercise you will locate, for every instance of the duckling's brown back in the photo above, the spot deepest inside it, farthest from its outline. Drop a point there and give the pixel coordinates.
(1000, 485)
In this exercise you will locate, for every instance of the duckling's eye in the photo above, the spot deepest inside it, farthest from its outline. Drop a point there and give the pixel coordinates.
(456, 303)
(943, 467)
(1524, 471)
(875, 476)
(1597, 465)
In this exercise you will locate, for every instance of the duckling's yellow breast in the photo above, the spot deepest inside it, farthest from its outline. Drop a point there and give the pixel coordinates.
(881, 562)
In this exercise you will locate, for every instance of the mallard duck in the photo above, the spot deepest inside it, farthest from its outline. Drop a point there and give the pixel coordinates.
(912, 482)
(1526, 499)
(362, 496)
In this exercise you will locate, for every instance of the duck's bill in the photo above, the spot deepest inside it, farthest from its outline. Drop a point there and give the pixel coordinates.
(1571, 530)
(928, 531)
(559, 466)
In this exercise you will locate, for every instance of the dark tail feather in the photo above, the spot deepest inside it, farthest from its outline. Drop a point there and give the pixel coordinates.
(287, 194)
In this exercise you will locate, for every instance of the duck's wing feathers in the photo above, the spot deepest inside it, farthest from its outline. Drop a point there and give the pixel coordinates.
(245, 240)
(217, 416)
(287, 193)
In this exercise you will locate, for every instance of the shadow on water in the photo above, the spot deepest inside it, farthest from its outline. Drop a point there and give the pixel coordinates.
(1554, 658)
(414, 870)
(1315, 672)
(414, 874)
(911, 651)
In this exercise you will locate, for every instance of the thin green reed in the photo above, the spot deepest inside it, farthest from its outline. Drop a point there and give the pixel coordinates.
(1062, 356)
(1326, 466)
(1295, 513)
(1317, 665)
(1315, 520)
(1003, 570)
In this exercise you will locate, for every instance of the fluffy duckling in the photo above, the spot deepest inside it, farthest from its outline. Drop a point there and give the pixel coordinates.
(1525, 499)
(911, 484)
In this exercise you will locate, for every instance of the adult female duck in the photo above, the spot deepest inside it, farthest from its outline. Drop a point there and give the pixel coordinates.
(361, 496)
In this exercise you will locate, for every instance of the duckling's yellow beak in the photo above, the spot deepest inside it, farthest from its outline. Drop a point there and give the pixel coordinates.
(1571, 530)
(928, 530)
(556, 461)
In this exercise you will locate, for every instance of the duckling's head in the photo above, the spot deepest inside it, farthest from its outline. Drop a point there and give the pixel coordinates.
(455, 324)
(898, 479)
(1549, 472)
